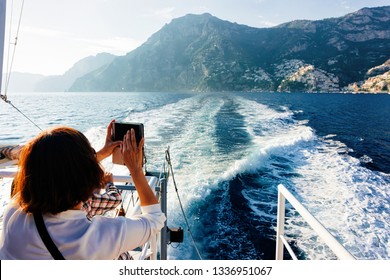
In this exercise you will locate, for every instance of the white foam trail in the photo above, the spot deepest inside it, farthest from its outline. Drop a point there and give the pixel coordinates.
(334, 184)
(330, 182)
(199, 166)
(272, 133)
(188, 128)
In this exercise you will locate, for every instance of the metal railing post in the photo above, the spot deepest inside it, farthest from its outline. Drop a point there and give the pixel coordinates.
(283, 194)
(280, 226)
(164, 230)
(3, 6)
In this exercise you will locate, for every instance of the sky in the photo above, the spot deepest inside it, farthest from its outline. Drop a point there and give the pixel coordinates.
(54, 35)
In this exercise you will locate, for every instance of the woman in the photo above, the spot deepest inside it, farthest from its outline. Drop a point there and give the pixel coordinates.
(58, 171)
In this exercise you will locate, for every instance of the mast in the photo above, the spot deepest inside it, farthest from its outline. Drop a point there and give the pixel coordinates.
(3, 5)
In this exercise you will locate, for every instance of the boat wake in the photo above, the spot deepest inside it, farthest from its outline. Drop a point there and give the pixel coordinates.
(229, 154)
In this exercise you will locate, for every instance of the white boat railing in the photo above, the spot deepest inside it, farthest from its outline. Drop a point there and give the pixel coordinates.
(283, 194)
(158, 185)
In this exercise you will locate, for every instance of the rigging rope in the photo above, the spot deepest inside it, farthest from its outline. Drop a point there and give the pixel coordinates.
(9, 102)
(168, 159)
(4, 96)
(9, 66)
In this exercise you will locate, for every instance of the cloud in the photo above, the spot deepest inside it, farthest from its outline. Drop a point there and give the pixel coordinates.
(344, 4)
(43, 32)
(49, 52)
(114, 45)
(165, 13)
(265, 23)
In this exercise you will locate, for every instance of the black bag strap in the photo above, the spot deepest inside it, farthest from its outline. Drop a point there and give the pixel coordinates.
(56, 254)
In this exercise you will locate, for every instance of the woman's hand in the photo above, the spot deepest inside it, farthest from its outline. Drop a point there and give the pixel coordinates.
(133, 158)
(132, 154)
(108, 178)
(109, 145)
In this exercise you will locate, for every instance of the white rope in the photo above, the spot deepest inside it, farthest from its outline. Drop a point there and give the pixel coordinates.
(4, 96)
(168, 159)
(9, 66)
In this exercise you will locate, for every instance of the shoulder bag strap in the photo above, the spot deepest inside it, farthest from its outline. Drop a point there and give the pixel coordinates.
(56, 254)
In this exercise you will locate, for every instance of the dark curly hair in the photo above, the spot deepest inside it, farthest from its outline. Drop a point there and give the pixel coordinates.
(57, 170)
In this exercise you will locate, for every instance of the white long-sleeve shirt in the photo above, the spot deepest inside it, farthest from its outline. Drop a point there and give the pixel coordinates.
(75, 236)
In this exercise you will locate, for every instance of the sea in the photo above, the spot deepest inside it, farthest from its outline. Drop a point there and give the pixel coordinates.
(230, 151)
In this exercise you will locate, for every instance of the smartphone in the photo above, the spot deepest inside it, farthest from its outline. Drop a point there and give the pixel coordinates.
(119, 131)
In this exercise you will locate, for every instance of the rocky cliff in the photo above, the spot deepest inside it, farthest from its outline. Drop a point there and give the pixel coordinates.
(204, 53)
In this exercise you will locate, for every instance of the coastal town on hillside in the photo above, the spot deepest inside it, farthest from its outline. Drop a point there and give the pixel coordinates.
(295, 73)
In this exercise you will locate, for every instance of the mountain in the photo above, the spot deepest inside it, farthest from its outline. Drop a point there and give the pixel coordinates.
(79, 69)
(26, 82)
(204, 53)
(23, 82)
